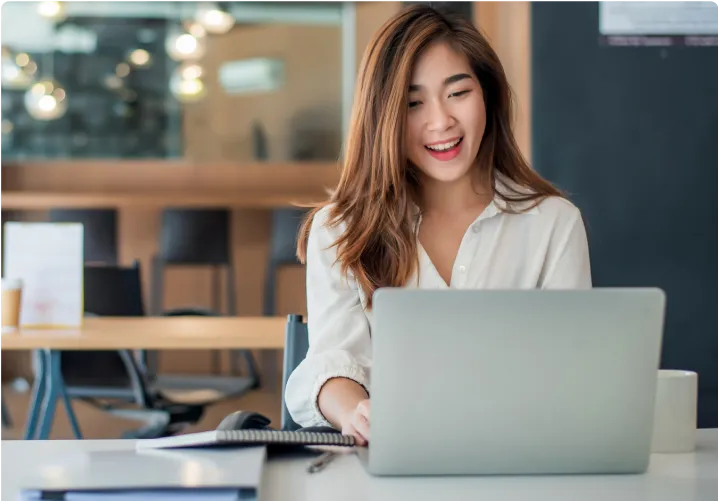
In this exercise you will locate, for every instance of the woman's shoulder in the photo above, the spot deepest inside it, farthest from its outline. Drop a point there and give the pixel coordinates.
(326, 228)
(558, 213)
(558, 207)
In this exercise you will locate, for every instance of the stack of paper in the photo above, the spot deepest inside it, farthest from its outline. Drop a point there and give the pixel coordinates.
(143, 495)
(186, 475)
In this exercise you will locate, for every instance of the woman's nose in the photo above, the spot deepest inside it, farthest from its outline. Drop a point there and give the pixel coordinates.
(439, 118)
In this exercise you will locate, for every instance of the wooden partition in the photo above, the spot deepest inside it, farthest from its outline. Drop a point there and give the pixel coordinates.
(507, 25)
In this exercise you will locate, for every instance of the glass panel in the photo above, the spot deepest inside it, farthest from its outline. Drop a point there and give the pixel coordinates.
(201, 81)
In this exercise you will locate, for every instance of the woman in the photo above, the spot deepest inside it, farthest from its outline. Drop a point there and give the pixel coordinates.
(434, 193)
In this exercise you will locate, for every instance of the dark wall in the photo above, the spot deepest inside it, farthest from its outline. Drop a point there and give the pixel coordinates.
(632, 134)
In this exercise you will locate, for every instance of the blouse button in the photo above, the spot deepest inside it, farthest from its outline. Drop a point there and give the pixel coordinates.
(462, 269)
(475, 228)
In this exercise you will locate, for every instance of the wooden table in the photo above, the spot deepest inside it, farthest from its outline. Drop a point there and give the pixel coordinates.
(129, 333)
(156, 333)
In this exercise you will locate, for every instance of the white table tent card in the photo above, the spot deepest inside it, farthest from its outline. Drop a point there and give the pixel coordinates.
(48, 258)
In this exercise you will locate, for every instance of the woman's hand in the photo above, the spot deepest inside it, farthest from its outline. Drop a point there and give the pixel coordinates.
(356, 423)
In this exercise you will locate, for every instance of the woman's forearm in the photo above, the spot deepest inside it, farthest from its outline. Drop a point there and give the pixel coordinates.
(338, 398)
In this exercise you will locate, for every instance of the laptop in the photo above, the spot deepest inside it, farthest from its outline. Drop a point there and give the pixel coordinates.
(471, 382)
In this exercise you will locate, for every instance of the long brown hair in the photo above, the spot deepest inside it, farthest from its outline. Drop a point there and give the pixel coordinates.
(378, 188)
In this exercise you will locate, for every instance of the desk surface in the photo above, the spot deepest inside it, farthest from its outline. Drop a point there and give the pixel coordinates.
(171, 333)
(679, 477)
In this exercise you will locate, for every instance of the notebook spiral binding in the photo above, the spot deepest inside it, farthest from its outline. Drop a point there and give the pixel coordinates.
(286, 437)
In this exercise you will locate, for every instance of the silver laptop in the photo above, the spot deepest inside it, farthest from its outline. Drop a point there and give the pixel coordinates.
(513, 382)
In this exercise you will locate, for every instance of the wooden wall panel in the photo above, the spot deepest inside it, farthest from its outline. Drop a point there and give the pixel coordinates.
(306, 109)
(370, 16)
(507, 25)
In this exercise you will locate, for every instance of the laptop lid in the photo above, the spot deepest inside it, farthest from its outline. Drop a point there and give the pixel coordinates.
(513, 382)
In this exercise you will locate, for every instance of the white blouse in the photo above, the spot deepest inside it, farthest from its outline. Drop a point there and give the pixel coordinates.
(545, 247)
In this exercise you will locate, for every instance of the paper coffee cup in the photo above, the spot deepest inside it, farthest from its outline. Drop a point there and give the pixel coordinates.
(11, 300)
(676, 412)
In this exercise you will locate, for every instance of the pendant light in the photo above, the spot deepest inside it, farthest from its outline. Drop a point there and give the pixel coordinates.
(215, 19)
(17, 71)
(54, 11)
(186, 83)
(46, 99)
(183, 45)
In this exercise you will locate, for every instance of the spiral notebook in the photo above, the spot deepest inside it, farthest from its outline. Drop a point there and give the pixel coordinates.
(240, 438)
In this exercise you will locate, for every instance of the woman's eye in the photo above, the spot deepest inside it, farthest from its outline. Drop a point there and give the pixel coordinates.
(459, 93)
(414, 104)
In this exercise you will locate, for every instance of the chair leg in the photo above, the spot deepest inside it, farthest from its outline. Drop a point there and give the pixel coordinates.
(6, 420)
(157, 286)
(216, 306)
(151, 357)
(234, 355)
(269, 357)
(74, 425)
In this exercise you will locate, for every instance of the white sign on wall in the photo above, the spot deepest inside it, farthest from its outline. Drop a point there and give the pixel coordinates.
(659, 23)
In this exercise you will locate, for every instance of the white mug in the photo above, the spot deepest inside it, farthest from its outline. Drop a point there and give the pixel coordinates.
(676, 412)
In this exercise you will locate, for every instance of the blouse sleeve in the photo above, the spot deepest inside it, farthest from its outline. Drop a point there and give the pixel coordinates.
(339, 330)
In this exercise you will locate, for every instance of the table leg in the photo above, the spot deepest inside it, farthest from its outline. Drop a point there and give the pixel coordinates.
(55, 390)
(38, 394)
(6, 421)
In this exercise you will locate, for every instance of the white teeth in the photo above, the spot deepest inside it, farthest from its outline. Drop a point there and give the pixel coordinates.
(444, 146)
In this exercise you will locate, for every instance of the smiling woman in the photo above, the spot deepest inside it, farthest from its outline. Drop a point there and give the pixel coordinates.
(434, 193)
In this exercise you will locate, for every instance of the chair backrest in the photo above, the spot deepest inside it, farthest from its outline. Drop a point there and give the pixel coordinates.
(108, 291)
(296, 345)
(99, 232)
(114, 291)
(195, 236)
(282, 250)
(285, 228)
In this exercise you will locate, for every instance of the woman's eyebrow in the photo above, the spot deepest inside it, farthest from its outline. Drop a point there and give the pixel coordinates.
(447, 81)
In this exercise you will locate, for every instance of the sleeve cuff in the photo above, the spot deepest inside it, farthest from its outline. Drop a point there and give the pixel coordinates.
(356, 374)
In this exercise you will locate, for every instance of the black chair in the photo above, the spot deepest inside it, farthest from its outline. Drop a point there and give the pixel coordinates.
(296, 346)
(100, 231)
(197, 237)
(282, 252)
(204, 389)
(111, 380)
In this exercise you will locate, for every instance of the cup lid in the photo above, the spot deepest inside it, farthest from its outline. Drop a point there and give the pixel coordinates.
(11, 283)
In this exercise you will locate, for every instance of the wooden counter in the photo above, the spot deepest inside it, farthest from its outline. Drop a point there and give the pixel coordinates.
(157, 184)
(21, 200)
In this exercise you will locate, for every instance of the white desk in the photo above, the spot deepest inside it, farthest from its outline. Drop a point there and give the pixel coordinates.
(681, 477)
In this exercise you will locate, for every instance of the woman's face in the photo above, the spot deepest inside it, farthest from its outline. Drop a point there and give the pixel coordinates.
(446, 118)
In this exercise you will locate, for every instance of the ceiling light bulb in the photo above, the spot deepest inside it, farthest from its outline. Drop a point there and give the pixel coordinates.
(190, 71)
(214, 19)
(14, 76)
(184, 46)
(140, 57)
(52, 10)
(46, 100)
(187, 90)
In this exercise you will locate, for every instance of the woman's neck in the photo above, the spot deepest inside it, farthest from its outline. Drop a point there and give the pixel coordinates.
(451, 199)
